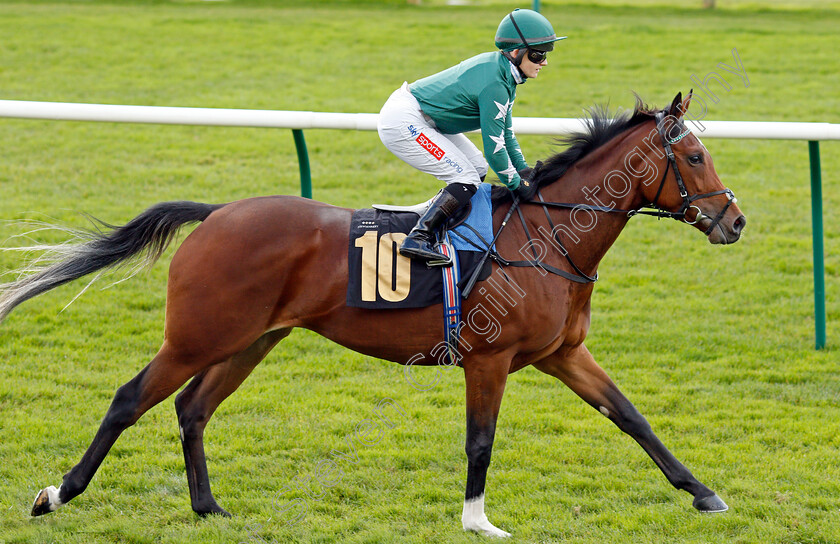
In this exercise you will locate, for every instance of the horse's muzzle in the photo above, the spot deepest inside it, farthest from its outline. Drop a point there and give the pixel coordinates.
(727, 232)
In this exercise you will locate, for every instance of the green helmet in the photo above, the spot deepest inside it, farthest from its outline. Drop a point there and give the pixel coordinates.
(525, 27)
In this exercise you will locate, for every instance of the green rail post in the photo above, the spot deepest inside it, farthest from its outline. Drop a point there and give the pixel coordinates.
(303, 163)
(537, 5)
(819, 252)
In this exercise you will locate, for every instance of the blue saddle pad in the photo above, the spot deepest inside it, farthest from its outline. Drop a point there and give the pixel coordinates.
(481, 219)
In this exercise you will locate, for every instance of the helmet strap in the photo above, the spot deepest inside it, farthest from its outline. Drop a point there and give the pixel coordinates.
(517, 61)
(521, 36)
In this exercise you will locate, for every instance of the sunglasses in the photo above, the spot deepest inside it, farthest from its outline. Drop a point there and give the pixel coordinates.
(537, 56)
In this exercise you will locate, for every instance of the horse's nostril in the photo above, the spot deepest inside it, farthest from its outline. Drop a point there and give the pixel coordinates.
(739, 224)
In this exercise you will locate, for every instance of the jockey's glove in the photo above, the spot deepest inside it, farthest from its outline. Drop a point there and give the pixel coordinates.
(527, 187)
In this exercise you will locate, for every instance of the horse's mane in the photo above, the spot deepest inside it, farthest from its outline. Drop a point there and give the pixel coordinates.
(601, 127)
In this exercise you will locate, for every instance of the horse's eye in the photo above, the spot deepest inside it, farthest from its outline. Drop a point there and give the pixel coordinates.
(694, 160)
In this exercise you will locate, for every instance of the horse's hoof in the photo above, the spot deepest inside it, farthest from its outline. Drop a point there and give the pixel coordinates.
(212, 510)
(484, 527)
(474, 519)
(711, 504)
(490, 530)
(495, 532)
(46, 501)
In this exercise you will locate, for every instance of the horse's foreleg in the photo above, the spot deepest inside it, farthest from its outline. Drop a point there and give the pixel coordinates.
(196, 404)
(485, 387)
(161, 377)
(578, 370)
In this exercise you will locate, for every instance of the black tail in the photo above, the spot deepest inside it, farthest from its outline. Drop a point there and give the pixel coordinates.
(147, 234)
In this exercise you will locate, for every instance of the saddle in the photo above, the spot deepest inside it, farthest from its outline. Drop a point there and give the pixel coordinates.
(456, 220)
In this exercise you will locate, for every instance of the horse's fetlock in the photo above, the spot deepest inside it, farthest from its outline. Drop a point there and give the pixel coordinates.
(71, 487)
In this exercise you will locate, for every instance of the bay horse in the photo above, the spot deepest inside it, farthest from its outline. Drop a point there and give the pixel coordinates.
(255, 269)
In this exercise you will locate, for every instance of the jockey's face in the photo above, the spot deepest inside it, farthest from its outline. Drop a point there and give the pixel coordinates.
(530, 69)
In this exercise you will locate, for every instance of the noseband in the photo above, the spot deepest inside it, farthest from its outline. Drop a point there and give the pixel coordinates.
(652, 208)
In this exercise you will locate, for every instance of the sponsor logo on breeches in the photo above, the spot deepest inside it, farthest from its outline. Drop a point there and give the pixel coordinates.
(430, 146)
(453, 164)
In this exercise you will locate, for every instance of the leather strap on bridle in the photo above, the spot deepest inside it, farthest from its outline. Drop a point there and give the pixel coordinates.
(652, 209)
(687, 199)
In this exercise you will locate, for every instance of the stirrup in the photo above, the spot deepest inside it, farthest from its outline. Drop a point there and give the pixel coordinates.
(442, 260)
(440, 263)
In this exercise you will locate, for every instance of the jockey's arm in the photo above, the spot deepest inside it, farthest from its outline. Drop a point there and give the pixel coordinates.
(494, 110)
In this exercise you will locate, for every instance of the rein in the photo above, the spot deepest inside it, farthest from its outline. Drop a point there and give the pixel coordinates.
(652, 209)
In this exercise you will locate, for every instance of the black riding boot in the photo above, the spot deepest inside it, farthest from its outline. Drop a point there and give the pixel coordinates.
(421, 240)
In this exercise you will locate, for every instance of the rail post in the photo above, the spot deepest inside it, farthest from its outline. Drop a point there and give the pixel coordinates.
(819, 251)
(303, 163)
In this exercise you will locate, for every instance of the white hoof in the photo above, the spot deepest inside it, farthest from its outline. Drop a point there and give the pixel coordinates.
(488, 529)
(474, 519)
(46, 501)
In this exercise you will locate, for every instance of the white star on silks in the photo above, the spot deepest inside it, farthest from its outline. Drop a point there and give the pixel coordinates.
(500, 141)
(510, 171)
(503, 109)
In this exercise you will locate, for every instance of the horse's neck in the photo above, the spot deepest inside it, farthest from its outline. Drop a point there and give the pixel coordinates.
(598, 179)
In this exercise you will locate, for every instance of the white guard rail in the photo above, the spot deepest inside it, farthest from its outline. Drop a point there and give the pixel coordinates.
(367, 121)
(299, 120)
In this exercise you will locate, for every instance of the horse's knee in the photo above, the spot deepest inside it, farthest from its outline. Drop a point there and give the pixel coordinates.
(628, 419)
(635, 425)
(479, 449)
(624, 414)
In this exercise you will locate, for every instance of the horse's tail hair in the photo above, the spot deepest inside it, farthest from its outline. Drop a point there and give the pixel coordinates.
(104, 247)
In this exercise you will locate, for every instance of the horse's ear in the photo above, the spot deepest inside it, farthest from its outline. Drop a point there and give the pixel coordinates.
(675, 106)
(686, 102)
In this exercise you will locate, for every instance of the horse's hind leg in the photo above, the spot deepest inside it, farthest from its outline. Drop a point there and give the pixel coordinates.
(578, 370)
(196, 404)
(161, 377)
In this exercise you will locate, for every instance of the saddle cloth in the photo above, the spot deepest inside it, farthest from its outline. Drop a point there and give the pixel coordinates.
(381, 278)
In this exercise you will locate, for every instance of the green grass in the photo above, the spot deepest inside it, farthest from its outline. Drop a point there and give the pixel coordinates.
(714, 345)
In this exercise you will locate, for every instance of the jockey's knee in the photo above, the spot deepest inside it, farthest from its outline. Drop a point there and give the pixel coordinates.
(462, 192)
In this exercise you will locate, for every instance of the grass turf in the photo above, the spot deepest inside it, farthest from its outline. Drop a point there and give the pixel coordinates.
(714, 345)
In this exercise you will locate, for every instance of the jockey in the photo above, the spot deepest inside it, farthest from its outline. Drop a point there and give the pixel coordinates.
(422, 124)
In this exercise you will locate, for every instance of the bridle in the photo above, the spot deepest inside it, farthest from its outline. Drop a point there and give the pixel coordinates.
(687, 199)
(652, 208)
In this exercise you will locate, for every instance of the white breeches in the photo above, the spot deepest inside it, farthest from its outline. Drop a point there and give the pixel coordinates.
(412, 136)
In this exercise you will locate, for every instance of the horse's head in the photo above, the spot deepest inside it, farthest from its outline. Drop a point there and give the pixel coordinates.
(690, 189)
